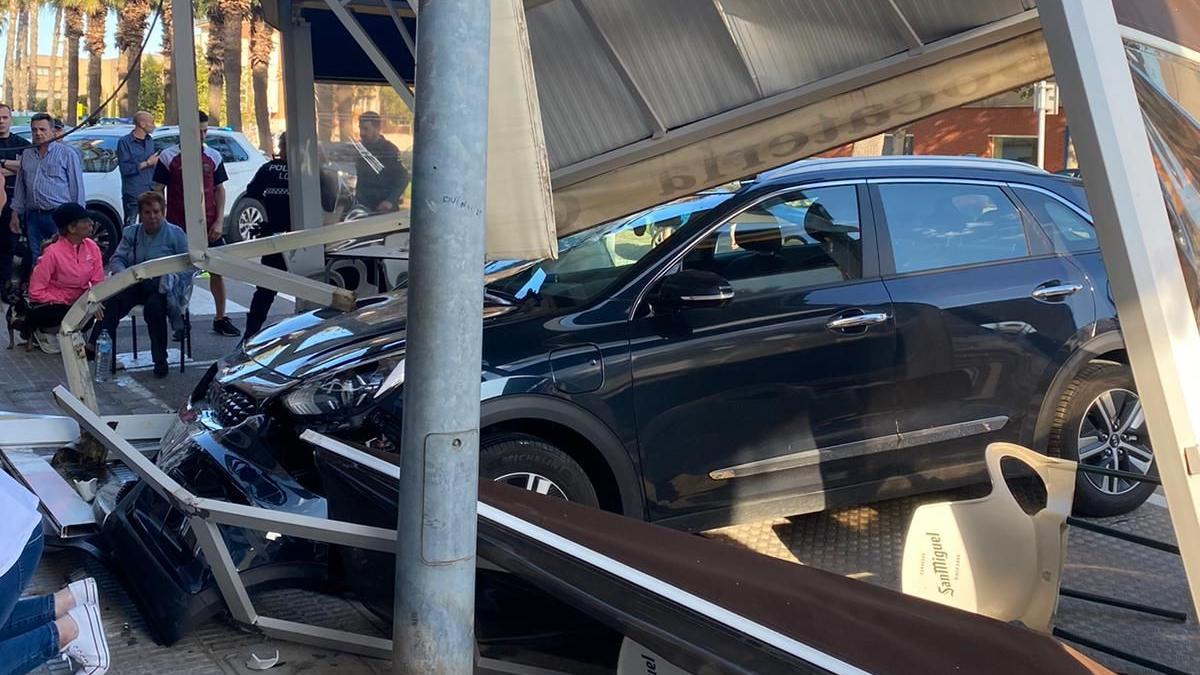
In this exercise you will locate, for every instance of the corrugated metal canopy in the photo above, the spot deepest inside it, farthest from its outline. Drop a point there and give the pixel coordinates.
(629, 83)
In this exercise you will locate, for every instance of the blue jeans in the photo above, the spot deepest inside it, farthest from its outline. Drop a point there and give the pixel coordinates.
(28, 635)
(39, 226)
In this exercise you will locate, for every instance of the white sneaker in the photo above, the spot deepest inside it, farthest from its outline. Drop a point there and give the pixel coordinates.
(84, 591)
(89, 651)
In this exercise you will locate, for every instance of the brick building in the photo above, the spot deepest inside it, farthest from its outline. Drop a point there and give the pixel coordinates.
(1003, 126)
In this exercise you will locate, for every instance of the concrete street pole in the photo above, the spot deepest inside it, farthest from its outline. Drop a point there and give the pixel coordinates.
(435, 547)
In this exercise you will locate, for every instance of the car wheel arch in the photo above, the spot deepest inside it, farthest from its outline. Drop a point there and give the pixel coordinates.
(532, 413)
(1107, 345)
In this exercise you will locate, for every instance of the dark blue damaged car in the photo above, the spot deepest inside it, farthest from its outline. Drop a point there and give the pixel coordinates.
(836, 332)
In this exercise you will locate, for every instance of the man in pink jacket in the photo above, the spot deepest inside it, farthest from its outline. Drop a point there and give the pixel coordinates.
(67, 268)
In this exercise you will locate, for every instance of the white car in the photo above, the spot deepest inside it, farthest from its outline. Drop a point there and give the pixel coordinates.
(102, 180)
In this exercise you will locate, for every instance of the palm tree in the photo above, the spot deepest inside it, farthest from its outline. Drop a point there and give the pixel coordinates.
(96, 16)
(234, 13)
(52, 97)
(73, 29)
(170, 114)
(260, 64)
(17, 69)
(131, 29)
(10, 43)
(31, 56)
(215, 56)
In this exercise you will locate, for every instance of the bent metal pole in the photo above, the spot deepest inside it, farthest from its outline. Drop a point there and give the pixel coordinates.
(435, 538)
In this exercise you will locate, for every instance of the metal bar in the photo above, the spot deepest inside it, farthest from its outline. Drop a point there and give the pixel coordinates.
(1127, 475)
(1119, 534)
(183, 71)
(368, 45)
(341, 299)
(158, 481)
(303, 157)
(1139, 249)
(439, 475)
(1113, 651)
(68, 514)
(289, 241)
(1039, 98)
(935, 52)
(85, 306)
(351, 453)
(75, 367)
(649, 114)
(208, 535)
(914, 41)
(295, 525)
(743, 57)
(404, 32)
(1123, 604)
(328, 638)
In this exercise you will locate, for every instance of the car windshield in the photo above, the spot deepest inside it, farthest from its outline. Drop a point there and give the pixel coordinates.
(590, 261)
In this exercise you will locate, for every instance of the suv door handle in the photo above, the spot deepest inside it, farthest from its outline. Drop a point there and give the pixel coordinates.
(1056, 291)
(857, 321)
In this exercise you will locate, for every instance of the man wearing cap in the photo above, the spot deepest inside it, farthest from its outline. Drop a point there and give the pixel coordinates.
(382, 177)
(50, 175)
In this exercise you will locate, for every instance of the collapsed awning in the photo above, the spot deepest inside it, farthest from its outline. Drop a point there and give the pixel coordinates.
(645, 101)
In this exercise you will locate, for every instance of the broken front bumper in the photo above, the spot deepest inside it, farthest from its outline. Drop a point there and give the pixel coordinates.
(151, 545)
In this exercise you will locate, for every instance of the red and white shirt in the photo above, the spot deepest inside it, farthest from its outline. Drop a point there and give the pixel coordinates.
(169, 172)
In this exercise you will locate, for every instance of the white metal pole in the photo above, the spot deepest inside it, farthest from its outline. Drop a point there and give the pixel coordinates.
(1039, 97)
(304, 165)
(435, 547)
(1139, 249)
(184, 74)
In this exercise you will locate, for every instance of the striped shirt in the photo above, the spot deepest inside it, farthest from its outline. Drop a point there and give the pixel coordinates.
(45, 183)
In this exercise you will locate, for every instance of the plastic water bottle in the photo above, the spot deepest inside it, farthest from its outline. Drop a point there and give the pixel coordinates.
(103, 357)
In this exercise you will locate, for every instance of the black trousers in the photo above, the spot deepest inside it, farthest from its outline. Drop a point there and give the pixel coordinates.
(44, 316)
(260, 304)
(154, 311)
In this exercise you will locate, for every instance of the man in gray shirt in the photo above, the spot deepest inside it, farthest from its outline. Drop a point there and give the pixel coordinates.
(51, 175)
(136, 158)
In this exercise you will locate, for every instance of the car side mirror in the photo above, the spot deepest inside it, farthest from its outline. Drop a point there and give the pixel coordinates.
(692, 288)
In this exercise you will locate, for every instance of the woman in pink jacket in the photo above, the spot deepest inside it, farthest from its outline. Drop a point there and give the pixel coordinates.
(67, 268)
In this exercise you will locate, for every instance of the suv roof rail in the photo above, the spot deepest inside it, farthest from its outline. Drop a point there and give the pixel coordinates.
(818, 164)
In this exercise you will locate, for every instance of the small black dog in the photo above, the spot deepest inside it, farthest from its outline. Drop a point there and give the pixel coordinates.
(17, 314)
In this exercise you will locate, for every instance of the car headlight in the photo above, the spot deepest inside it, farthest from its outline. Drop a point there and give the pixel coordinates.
(343, 391)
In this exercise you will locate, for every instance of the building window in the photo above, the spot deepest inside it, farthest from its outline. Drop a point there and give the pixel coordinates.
(1020, 148)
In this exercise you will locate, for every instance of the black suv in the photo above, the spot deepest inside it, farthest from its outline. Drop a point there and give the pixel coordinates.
(833, 332)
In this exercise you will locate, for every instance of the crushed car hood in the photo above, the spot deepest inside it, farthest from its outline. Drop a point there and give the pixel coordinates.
(325, 340)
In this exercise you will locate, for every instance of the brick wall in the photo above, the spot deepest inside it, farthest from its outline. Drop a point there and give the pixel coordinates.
(965, 131)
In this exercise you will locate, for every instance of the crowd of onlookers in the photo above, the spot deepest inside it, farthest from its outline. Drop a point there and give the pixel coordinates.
(44, 207)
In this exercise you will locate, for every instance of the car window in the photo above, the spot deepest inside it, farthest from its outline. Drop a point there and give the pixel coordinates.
(592, 260)
(99, 155)
(804, 238)
(937, 225)
(1069, 231)
(230, 150)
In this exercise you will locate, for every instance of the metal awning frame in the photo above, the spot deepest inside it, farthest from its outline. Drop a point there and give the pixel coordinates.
(1126, 201)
